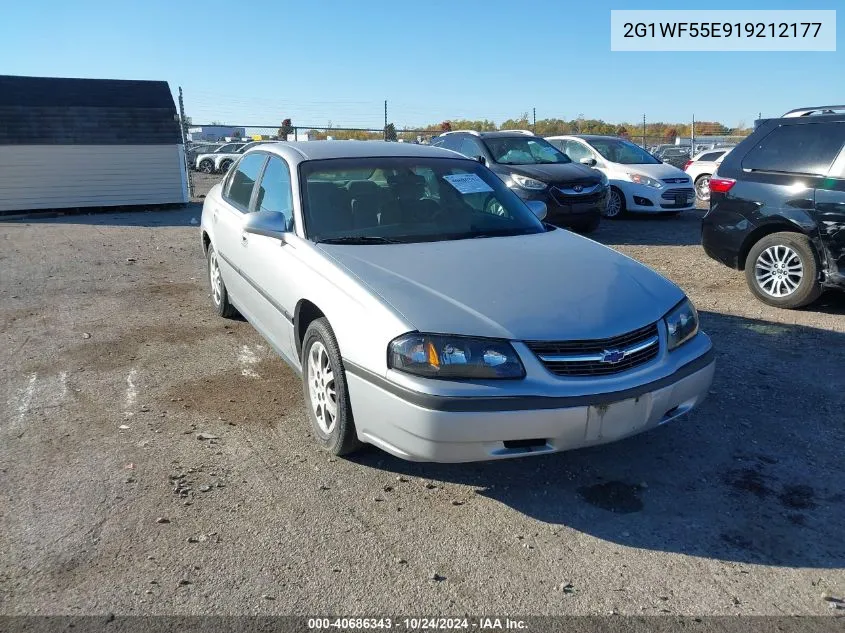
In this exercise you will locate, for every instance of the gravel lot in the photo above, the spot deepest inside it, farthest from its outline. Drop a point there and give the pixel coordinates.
(115, 368)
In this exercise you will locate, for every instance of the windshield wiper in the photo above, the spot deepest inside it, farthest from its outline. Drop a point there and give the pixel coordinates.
(358, 239)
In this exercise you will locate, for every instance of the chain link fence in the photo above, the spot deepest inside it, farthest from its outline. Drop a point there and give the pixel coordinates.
(212, 147)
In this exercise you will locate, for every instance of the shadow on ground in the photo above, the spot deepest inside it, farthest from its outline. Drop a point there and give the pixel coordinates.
(755, 476)
(651, 230)
(179, 216)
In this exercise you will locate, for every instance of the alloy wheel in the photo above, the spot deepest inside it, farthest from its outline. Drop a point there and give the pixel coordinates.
(614, 204)
(321, 387)
(702, 188)
(216, 279)
(778, 271)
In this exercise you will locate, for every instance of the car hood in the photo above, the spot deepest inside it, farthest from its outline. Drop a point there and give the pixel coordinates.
(546, 286)
(659, 171)
(564, 172)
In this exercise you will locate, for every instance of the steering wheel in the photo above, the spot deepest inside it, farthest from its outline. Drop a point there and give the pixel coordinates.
(493, 206)
(428, 210)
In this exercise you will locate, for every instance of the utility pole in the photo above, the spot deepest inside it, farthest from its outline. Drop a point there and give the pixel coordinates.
(692, 137)
(644, 131)
(183, 125)
(534, 129)
(385, 119)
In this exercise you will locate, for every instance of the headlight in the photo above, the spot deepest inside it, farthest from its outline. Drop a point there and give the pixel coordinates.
(681, 324)
(445, 356)
(528, 183)
(642, 179)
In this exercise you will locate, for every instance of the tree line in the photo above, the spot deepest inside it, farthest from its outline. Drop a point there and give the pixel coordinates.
(664, 131)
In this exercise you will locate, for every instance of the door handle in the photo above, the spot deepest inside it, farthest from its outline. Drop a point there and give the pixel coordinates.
(244, 240)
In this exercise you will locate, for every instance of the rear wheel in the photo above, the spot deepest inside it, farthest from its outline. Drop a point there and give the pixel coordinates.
(702, 187)
(326, 395)
(615, 204)
(219, 294)
(782, 271)
(224, 166)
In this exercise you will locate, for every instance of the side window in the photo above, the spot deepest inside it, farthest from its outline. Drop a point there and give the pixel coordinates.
(244, 173)
(576, 151)
(274, 191)
(470, 148)
(712, 156)
(807, 148)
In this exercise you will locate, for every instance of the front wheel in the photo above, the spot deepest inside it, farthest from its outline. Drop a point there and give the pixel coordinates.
(702, 187)
(782, 271)
(207, 166)
(615, 204)
(326, 395)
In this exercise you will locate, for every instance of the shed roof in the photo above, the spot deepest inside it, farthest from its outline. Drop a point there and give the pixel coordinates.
(66, 111)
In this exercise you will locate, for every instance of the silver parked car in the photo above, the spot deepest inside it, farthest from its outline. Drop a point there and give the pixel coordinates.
(432, 314)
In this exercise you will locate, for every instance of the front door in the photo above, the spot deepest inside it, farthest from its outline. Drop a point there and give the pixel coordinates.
(269, 265)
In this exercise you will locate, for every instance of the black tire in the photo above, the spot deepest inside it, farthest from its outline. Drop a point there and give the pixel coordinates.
(614, 191)
(220, 299)
(587, 227)
(808, 288)
(224, 165)
(206, 166)
(342, 438)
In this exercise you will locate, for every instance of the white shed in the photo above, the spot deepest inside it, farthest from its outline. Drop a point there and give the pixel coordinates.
(72, 143)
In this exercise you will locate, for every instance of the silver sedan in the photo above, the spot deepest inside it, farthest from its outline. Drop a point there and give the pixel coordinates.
(432, 313)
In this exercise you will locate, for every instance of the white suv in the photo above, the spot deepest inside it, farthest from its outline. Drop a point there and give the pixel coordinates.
(638, 181)
(702, 166)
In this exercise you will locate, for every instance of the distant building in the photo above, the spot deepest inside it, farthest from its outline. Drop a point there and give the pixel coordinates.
(69, 143)
(216, 133)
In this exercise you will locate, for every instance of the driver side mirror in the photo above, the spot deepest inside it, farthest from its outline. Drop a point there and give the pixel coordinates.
(589, 162)
(481, 159)
(266, 223)
(538, 208)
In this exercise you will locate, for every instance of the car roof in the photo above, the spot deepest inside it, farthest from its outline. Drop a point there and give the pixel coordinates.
(323, 150)
(505, 134)
(590, 137)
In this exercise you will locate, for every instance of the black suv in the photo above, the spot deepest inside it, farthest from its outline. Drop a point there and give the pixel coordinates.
(575, 195)
(777, 207)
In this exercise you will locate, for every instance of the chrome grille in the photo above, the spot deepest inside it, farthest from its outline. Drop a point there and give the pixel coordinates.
(595, 357)
(680, 180)
(671, 193)
(564, 198)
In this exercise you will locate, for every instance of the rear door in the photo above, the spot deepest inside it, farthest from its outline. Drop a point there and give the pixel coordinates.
(228, 222)
(830, 209)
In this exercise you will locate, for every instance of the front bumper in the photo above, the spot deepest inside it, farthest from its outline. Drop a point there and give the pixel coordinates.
(569, 211)
(644, 199)
(477, 429)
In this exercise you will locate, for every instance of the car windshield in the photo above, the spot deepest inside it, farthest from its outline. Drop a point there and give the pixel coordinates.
(401, 200)
(524, 150)
(622, 152)
(227, 149)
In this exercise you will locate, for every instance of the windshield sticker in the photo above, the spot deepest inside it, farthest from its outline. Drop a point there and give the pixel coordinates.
(468, 183)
